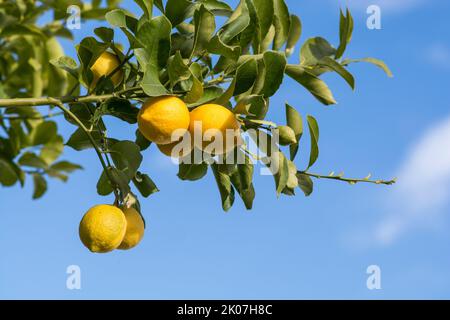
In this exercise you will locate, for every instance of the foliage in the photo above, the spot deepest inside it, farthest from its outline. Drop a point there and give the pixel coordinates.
(182, 52)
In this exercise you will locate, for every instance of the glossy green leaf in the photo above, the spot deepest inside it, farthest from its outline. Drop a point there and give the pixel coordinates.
(373, 61)
(192, 172)
(30, 159)
(40, 186)
(315, 50)
(295, 33)
(282, 22)
(66, 166)
(295, 122)
(345, 32)
(127, 157)
(275, 65)
(314, 132)
(177, 11)
(339, 69)
(225, 187)
(204, 29)
(145, 184)
(313, 84)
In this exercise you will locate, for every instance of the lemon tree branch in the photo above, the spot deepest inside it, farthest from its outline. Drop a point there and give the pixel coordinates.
(348, 180)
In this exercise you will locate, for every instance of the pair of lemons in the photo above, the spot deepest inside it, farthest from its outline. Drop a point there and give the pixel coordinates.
(161, 117)
(105, 228)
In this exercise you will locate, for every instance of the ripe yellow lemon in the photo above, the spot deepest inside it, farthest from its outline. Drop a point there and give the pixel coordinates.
(102, 228)
(215, 122)
(184, 148)
(104, 66)
(161, 117)
(135, 229)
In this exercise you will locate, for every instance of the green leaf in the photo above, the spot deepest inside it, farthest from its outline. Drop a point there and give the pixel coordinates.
(119, 180)
(9, 172)
(147, 7)
(217, 46)
(317, 87)
(40, 186)
(236, 24)
(119, 108)
(315, 50)
(52, 150)
(106, 34)
(314, 132)
(264, 11)
(295, 33)
(345, 32)
(121, 19)
(254, 106)
(151, 84)
(43, 133)
(225, 187)
(127, 157)
(65, 166)
(279, 167)
(145, 184)
(242, 182)
(192, 172)
(209, 94)
(177, 69)
(156, 37)
(335, 66)
(142, 141)
(245, 76)
(275, 65)
(80, 141)
(295, 122)
(177, 11)
(282, 22)
(67, 64)
(83, 111)
(373, 61)
(305, 183)
(29, 159)
(204, 29)
(196, 91)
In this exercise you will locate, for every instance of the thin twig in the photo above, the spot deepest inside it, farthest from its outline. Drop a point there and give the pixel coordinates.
(349, 180)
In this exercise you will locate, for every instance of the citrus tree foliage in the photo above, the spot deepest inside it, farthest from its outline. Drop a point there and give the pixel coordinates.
(173, 48)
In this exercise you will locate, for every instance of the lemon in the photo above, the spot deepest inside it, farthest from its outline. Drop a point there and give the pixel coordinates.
(183, 149)
(216, 122)
(104, 66)
(102, 228)
(135, 229)
(161, 117)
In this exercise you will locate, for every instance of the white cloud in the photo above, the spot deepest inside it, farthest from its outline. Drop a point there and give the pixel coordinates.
(438, 54)
(396, 6)
(423, 191)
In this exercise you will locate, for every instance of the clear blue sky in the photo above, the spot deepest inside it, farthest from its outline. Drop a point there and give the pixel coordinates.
(317, 247)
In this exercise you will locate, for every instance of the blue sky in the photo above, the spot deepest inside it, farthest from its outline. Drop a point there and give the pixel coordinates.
(293, 248)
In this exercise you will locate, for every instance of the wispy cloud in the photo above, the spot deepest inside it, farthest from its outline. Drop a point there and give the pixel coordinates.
(438, 54)
(396, 6)
(423, 191)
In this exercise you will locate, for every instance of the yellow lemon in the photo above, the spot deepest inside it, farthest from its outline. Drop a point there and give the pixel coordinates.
(210, 122)
(135, 229)
(104, 66)
(177, 149)
(102, 228)
(161, 117)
